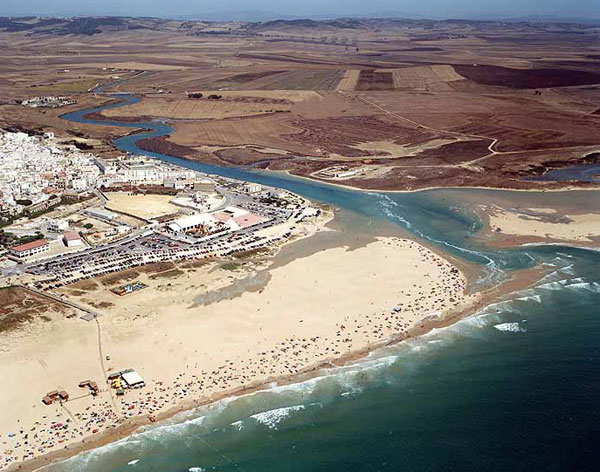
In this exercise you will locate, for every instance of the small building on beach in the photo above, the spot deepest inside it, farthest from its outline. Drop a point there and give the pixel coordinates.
(128, 378)
(133, 379)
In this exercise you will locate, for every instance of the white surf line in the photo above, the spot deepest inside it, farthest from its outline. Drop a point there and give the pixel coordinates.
(491, 263)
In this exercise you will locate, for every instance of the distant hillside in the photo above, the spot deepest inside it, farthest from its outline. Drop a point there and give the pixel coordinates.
(106, 24)
(27, 23)
(65, 26)
(347, 23)
(89, 26)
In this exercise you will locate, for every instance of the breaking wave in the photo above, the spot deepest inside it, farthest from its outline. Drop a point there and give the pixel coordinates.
(510, 327)
(272, 418)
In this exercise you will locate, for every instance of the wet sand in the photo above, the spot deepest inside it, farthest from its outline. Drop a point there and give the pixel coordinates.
(512, 220)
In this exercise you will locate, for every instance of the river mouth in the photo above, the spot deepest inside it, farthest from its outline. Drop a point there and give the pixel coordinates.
(513, 387)
(440, 218)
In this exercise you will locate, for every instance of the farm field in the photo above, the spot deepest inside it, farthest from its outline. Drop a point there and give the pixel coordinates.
(464, 103)
(197, 109)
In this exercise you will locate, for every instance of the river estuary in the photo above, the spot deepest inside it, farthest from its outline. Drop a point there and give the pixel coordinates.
(514, 387)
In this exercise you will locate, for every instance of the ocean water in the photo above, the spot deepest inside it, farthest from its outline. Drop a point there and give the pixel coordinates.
(514, 387)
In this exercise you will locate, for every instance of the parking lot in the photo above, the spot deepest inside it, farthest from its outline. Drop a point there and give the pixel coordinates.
(146, 246)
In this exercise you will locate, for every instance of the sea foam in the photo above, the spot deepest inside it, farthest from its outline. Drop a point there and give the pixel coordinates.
(272, 418)
(510, 327)
(238, 425)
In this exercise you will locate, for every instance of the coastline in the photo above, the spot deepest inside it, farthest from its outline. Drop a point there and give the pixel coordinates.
(137, 424)
(587, 186)
(559, 186)
(446, 317)
(309, 371)
(518, 281)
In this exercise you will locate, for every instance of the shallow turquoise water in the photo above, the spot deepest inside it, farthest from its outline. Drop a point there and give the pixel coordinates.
(514, 387)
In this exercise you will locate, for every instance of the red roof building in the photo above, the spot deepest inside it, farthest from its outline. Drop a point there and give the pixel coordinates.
(72, 238)
(31, 248)
(245, 221)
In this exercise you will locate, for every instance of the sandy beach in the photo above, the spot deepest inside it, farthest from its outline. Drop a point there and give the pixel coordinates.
(204, 329)
(543, 224)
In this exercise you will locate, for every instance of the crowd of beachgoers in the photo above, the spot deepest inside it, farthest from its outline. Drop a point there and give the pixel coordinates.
(421, 303)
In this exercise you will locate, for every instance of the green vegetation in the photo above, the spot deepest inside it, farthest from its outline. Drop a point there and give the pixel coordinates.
(251, 253)
(230, 266)
(63, 200)
(10, 239)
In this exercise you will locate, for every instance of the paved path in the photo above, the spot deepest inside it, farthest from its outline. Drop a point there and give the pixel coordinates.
(89, 314)
(104, 372)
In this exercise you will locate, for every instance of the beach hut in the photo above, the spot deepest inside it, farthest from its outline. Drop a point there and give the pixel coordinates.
(93, 386)
(133, 379)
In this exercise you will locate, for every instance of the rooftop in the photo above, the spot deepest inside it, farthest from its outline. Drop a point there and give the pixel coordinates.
(71, 236)
(30, 245)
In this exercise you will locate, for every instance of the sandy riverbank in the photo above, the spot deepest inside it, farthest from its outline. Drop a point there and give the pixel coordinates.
(543, 186)
(516, 226)
(194, 335)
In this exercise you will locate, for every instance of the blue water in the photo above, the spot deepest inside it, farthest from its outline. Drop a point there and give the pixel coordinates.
(513, 388)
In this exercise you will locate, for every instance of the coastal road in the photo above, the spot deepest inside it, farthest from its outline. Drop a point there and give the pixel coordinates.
(56, 298)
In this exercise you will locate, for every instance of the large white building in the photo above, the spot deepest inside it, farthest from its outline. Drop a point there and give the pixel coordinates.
(188, 223)
(56, 226)
(230, 219)
(24, 251)
(137, 170)
(101, 214)
(72, 239)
